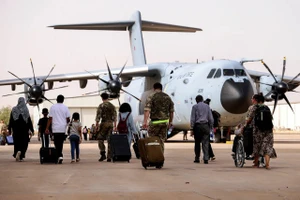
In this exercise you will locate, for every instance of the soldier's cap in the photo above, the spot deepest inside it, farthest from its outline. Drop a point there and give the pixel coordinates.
(45, 111)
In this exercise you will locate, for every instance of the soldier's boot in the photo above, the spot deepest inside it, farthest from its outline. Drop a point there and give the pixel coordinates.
(103, 156)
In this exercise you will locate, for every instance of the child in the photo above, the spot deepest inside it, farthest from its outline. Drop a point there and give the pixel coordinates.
(74, 131)
(42, 127)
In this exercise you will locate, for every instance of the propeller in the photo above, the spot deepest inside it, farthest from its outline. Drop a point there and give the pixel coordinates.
(279, 88)
(113, 85)
(36, 89)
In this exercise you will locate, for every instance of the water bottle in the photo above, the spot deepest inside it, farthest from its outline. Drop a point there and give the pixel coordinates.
(170, 130)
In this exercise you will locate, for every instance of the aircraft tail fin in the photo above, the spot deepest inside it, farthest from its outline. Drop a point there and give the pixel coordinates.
(135, 26)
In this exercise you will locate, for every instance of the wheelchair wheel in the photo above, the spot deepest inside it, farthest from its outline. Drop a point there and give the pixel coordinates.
(239, 154)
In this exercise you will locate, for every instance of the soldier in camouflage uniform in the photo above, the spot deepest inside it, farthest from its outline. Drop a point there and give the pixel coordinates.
(107, 113)
(160, 107)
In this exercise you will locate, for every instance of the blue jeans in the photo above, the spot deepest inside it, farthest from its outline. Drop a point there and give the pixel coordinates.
(74, 142)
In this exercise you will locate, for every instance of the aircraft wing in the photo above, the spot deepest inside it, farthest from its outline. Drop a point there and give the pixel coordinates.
(127, 72)
(292, 83)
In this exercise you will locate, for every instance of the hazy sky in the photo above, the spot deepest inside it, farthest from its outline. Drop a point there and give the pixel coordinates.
(232, 29)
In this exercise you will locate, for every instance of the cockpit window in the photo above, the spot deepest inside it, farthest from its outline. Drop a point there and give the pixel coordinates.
(218, 73)
(240, 72)
(211, 73)
(228, 72)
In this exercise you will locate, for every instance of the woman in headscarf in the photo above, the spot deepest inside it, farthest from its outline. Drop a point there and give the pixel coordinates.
(20, 123)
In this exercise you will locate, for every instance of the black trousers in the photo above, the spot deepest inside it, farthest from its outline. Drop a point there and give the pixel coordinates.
(59, 139)
(201, 135)
(210, 151)
(85, 136)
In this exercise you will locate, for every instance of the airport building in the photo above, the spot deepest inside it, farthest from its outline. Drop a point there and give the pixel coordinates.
(86, 106)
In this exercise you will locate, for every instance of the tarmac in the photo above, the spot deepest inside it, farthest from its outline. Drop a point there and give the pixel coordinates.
(179, 179)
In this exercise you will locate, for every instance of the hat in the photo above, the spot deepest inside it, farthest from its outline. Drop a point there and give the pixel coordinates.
(45, 111)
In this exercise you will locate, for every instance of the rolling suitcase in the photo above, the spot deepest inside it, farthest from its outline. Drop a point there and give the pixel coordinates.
(151, 152)
(48, 154)
(135, 145)
(119, 148)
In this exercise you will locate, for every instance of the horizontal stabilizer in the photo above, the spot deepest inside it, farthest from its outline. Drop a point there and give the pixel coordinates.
(125, 25)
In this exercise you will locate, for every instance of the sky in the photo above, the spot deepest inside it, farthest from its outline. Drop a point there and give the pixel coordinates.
(232, 29)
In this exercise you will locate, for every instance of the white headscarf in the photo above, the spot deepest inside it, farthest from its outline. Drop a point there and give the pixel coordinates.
(20, 109)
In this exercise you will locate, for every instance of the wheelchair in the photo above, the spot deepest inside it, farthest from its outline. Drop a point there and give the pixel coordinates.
(240, 154)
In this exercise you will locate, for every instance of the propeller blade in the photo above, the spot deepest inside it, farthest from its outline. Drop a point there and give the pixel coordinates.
(110, 75)
(14, 94)
(97, 77)
(19, 79)
(283, 69)
(94, 91)
(47, 75)
(275, 104)
(286, 99)
(294, 78)
(46, 99)
(122, 70)
(294, 91)
(268, 93)
(130, 94)
(33, 72)
(37, 104)
(56, 88)
(269, 70)
(264, 83)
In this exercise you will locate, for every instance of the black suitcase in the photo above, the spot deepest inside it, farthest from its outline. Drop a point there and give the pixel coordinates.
(135, 146)
(119, 148)
(48, 154)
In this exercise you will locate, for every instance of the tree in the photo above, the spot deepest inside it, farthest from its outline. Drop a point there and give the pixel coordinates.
(5, 114)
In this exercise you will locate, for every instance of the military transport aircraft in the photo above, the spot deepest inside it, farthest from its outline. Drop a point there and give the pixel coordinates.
(226, 82)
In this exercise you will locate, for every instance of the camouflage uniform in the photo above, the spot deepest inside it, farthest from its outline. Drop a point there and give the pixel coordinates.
(262, 140)
(107, 113)
(160, 106)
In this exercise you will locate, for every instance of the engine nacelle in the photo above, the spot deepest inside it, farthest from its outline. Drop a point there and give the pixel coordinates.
(265, 89)
(108, 88)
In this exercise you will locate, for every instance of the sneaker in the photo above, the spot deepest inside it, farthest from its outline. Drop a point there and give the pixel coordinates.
(18, 156)
(21, 160)
(77, 159)
(213, 158)
(60, 160)
(73, 161)
(250, 157)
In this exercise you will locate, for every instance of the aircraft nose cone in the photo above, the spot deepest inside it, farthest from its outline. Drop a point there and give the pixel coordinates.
(236, 96)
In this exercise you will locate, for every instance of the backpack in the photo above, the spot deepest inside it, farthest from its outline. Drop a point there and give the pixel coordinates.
(263, 118)
(122, 125)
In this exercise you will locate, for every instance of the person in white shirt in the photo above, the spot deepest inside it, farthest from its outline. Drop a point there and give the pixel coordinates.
(59, 117)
